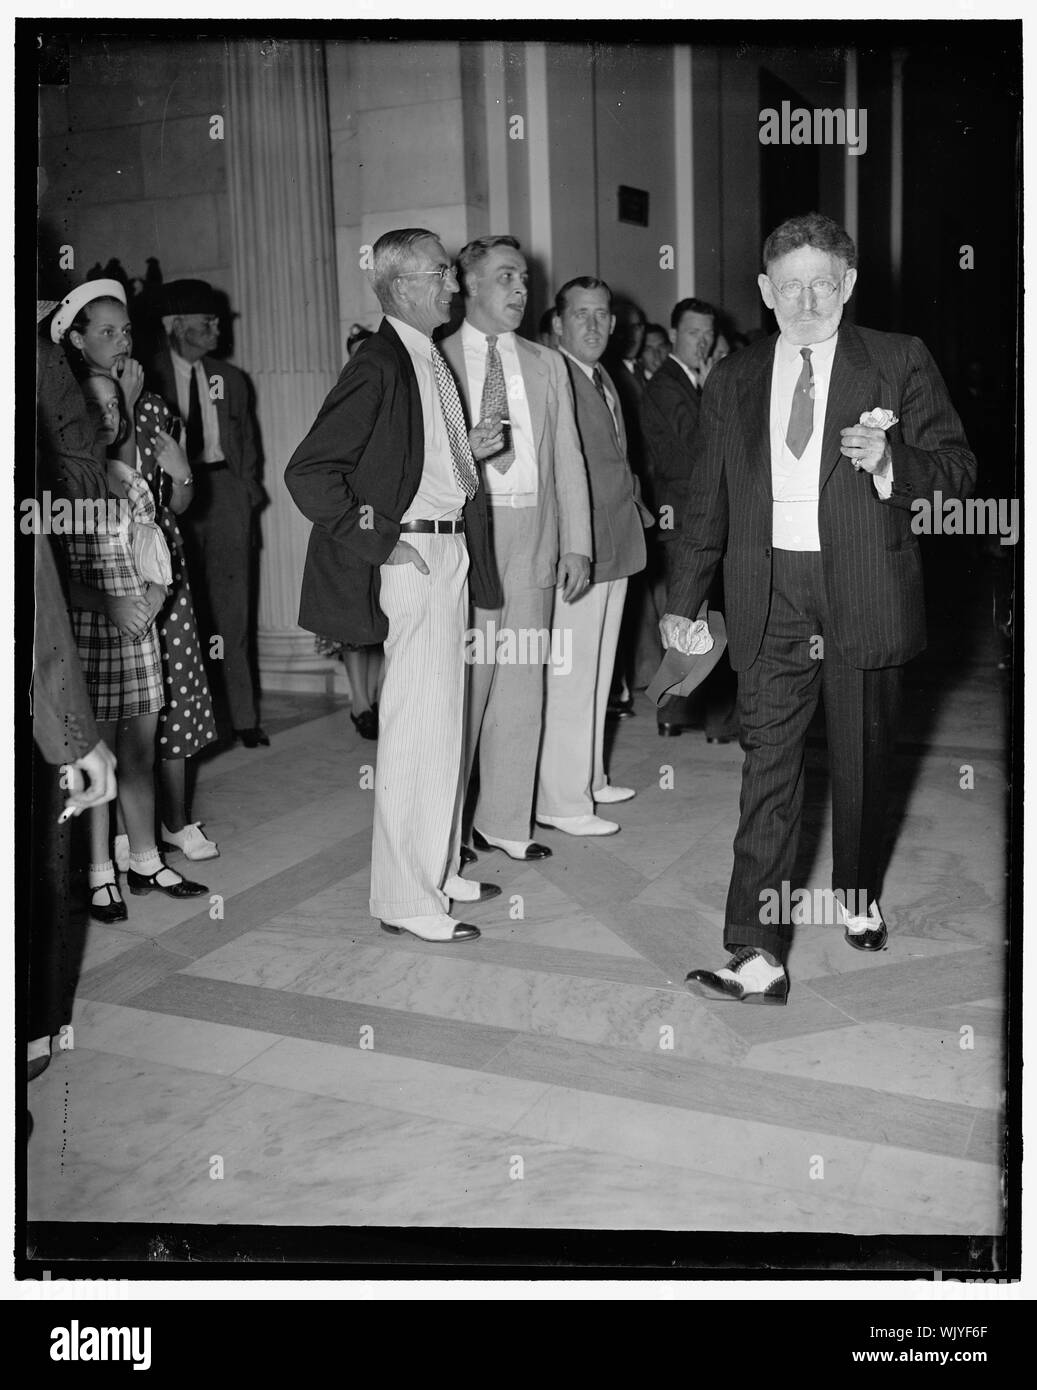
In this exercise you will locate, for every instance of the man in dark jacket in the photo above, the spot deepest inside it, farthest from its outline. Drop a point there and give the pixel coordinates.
(811, 448)
(387, 476)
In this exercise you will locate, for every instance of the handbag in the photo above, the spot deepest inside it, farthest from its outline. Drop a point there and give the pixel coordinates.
(148, 545)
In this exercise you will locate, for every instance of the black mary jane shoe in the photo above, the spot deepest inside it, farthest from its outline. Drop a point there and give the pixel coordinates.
(114, 910)
(366, 723)
(139, 884)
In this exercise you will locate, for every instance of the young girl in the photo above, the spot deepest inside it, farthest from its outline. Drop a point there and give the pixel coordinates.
(113, 612)
(101, 337)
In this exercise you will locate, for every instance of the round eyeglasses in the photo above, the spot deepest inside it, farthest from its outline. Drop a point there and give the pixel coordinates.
(442, 272)
(820, 289)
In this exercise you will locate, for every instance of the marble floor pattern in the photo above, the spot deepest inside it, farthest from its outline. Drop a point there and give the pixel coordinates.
(273, 1057)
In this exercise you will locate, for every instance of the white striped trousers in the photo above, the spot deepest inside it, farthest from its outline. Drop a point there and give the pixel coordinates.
(420, 729)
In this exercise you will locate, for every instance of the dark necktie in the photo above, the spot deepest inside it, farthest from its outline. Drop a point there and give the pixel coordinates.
(453, 415)
(495, 402)
(801, 419)
(195, 440)
(600, 387)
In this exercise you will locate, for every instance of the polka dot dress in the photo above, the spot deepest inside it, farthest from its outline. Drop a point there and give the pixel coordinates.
(186, 725)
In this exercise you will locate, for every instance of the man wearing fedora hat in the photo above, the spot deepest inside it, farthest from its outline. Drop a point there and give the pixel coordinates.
(214, 401)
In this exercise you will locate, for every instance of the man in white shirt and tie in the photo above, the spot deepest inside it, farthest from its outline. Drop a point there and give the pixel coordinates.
(811, 449)
(536, 487)
(572, 765)
(214, 400)
(388, 478)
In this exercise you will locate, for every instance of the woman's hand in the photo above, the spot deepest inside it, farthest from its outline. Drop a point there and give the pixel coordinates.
(171, 458)
(155, 598)
(129, 376)
(128, 612)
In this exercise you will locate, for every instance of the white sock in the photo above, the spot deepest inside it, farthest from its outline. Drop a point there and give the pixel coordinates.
(98, 874)
(150, 862)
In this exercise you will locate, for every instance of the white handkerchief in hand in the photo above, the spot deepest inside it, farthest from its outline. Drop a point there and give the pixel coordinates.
(698, 641)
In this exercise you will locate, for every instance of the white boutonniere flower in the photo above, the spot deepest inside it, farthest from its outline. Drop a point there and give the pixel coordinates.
(877, 419)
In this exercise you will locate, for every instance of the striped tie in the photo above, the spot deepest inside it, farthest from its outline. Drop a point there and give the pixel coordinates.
(801, 420)
(460, 449)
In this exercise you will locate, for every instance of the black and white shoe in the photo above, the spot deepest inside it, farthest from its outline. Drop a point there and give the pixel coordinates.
(747, 978)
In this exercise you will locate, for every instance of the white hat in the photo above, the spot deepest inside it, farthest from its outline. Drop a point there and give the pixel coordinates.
(82, 295)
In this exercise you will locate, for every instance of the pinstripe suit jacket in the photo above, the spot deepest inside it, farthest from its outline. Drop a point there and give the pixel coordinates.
(870, 557)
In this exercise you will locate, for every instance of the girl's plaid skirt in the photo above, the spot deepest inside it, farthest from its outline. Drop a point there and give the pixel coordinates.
(123, 674)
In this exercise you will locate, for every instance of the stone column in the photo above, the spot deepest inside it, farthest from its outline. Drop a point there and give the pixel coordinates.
(285, 295)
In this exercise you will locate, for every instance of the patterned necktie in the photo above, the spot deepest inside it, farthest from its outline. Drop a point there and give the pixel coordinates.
(599, 384)
(460, 449)
(195, 437)
(495, 402)
(801, 420)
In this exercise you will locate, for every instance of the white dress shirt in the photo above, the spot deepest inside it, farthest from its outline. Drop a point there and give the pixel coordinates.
(439, 496)
(182, 369)
(517, 487)
(795, 483)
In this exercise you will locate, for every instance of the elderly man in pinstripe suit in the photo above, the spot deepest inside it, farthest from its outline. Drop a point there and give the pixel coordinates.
(810, 507)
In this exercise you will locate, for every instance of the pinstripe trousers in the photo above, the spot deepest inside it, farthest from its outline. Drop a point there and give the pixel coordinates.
(777, 697)
(420, 729)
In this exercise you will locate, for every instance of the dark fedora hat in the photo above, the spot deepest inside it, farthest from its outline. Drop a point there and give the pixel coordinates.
(679, 674)
(189, 297)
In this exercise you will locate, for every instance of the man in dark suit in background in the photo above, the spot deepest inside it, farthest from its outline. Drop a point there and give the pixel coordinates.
(387, 476)
(572, 768)
(669, 422)
(810, 510)
(214, 401)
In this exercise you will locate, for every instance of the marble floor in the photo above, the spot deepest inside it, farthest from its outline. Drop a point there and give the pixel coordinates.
(272, 1057)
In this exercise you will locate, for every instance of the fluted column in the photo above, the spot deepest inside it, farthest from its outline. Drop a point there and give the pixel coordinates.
(285, 293)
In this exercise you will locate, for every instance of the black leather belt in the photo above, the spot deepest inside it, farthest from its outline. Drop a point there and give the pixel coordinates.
(213, 467)
(448, 528)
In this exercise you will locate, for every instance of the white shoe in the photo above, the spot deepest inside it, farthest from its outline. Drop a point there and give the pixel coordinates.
(607, 794)
(194, 844)
(439, 927)
(581, 825)
(122, 853)
(464, 890)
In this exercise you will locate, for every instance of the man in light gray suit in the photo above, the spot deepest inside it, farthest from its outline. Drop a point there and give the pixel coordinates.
(572, 767)
(540, 525)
